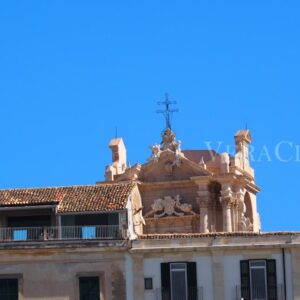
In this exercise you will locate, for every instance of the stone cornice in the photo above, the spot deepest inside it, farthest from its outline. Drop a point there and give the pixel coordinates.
(201, 180)
(216, 241)
(170, 183)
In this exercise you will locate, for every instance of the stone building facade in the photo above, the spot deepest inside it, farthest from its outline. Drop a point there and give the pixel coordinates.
(182, 226)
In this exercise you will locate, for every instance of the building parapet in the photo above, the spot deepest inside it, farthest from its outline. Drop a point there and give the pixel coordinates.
(215, 241)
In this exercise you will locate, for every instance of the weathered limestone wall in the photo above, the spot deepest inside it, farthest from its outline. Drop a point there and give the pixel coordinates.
(53, 273)
(188, 193)
(296, 272)
(218, 262)
(151, 192)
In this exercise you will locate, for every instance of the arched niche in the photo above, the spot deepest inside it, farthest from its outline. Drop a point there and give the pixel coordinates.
(248, 204)
(216, 220)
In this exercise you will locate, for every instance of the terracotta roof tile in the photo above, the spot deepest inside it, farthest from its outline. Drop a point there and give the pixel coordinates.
(100, 197)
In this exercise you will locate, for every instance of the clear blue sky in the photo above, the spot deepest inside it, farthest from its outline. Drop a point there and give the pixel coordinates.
(73, 71)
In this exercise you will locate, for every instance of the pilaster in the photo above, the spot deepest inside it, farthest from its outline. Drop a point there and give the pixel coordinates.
(226, 200)
(218, 274)
(240, 208)
(203, 201)
(138, 273)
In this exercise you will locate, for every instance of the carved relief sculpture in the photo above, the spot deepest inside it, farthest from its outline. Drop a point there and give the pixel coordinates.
(246, 224)
(169, 206)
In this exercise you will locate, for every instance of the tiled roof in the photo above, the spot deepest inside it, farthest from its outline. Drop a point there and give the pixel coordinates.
(100, 197)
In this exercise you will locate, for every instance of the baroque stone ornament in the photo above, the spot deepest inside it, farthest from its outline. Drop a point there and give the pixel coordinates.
(155, 149)
(246, 224)
(169, 142)
(169, 206)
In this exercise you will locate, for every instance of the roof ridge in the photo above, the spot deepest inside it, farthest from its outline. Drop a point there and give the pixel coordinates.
(68, 186)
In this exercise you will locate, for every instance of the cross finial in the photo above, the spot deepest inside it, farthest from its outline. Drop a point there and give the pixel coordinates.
(167, 112)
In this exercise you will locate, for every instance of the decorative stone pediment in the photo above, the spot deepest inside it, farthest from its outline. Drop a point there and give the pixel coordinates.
(170, 143)
(170, 167)
(169, 206)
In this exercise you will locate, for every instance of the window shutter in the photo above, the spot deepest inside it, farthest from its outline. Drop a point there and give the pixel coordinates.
(165, 281)
(245, 280)
(272, 281)
(192, 280)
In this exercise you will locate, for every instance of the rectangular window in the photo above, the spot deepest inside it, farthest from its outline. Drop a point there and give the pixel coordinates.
(89, 288)
(9, 289)
(179, 281)
(258, 280)
(148, 283)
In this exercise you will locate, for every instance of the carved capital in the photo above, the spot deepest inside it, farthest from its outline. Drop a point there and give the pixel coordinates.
(226, 191)
(203, 202)
(203, 199)
(226, 202)
(203, 193)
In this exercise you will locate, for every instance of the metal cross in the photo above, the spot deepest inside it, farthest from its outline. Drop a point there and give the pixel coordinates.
(167, 112)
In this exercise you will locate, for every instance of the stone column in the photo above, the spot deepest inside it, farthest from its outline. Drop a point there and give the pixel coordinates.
(226, 200)
(239, 195)
(203, 201)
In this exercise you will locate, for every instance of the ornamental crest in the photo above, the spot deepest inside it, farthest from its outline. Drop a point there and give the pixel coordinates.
(169, 206)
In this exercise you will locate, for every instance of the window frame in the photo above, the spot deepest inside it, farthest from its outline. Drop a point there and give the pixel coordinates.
(271, 278)
(179, 270)
(265, 274)
(19, 278)
(191, 279)
(145, 285)
(101, 278)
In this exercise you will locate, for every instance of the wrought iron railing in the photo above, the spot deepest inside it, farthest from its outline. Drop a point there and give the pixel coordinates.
(102, 232)
(192, 293)
(260, 293)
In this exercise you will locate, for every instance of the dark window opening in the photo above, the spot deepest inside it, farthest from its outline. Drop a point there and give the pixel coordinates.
(148, 283)
(27, 227)
(89, 288)
(179, 281)
(9, 289)
(90, 219)
(91, 226)
(29, 221)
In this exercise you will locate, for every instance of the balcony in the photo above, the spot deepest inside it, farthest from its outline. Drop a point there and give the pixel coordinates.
(101, 232)
(260, 293)
(192, 293)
